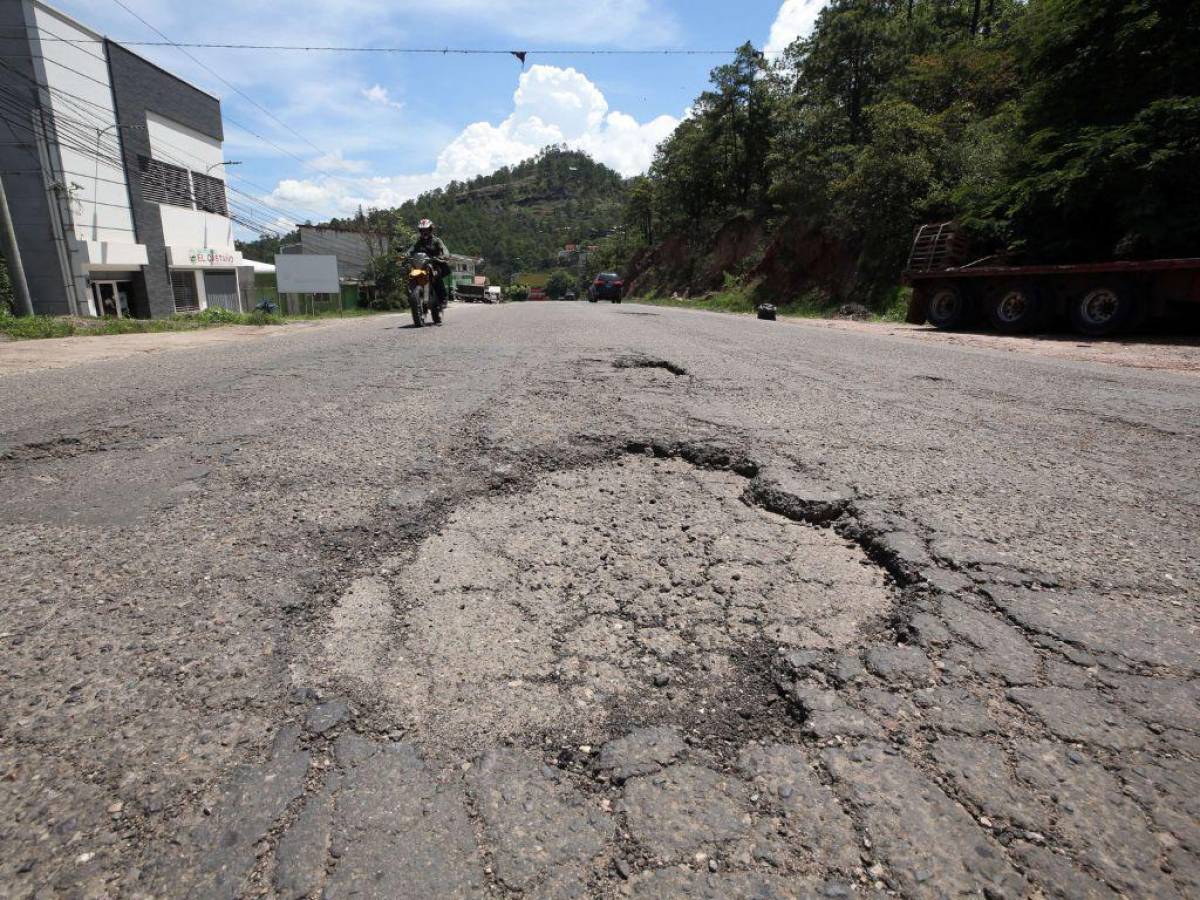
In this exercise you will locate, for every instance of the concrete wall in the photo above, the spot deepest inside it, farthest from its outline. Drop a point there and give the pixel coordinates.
(75, 69)
(195, 229)
(41, 244)
(174, 142)
(352, 249)
(143, 91)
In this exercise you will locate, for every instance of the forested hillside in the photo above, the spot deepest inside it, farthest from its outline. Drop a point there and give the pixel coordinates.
(518, 217)
(1057, 129)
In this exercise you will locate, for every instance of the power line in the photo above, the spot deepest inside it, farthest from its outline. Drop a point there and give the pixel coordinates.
(239, 92)
(69, 135)
(85, 107)
(428, 51)
(60, 65)
(256, 216)
(111, 161)
(76, 135)
(251, 100)
(55, 37)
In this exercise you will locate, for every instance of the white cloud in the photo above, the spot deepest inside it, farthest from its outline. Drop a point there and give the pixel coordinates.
(377, 93)
(335, 162)
(551, 105)
(795, 20)
(556, 106)
(303, 192)
(338, 107)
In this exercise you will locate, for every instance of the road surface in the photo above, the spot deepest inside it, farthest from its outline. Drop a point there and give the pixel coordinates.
(565, 600)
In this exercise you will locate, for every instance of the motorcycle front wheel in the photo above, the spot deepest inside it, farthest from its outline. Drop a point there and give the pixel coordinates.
(414, 305)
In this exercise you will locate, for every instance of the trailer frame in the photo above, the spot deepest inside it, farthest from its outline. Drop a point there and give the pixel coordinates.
(1099, 298)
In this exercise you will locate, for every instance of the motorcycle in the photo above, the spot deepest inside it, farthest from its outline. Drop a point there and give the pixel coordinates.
(422, 300)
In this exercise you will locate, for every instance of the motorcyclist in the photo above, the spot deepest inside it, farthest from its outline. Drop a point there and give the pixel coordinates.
(435, 248)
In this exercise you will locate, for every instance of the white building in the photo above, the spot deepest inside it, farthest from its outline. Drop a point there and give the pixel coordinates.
(114, 175)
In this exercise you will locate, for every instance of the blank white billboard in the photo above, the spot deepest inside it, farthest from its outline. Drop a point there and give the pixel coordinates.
(297, 273)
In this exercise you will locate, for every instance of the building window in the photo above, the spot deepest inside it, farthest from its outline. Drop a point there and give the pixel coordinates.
(164, 183)
(210, 194)
(183, 284)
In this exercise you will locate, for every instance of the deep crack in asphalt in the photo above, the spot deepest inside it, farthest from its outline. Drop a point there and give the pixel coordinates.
(371, 655)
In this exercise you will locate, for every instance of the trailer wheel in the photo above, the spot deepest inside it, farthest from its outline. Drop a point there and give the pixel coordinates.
(1015, 308)
(1102, 309)
(948, 307)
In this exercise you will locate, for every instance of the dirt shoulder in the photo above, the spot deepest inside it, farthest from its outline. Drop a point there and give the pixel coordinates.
(1161, 353)
(1158, 352)
(17, 357)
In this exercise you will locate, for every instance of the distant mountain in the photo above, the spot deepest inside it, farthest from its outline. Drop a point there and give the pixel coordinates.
(518, 218)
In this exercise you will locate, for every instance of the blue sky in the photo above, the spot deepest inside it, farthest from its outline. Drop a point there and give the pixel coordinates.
(378, 129)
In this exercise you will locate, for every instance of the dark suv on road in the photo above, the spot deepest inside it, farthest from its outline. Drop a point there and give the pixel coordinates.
(606, 286)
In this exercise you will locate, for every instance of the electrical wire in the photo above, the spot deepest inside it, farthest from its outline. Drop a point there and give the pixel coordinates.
(427, 51)
(246, 216)
(226, 118)
(241, 94)
(84, 107)
(55, 37)
(255, 215)
(70, 135)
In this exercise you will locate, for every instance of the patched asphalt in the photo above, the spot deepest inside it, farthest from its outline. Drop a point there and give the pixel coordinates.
(563, 601)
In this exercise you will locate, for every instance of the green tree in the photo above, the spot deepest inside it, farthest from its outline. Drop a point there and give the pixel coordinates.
(1111, 133)
(856, 47)
(639, 208)
(899, 170)
(716, 161)
(266, 246)
(391, 280)
(559, 283)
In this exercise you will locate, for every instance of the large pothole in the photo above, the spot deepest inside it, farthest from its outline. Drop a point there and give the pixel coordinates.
(637, 591)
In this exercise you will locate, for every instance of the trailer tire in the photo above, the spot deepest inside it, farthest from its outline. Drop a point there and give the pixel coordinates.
(1015, 308)
(1101, 310)
(949, 307)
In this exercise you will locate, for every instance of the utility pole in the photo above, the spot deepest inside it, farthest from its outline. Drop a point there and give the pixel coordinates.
(12, 254)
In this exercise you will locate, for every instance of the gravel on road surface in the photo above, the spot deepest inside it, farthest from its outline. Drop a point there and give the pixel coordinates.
(1138, 351)
(17, 357)
(574, 601)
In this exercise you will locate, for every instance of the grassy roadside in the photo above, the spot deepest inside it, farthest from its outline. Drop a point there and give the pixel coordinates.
(25, 328)
(742, 300)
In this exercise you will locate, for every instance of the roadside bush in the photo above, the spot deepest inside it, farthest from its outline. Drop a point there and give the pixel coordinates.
(815, 303)
(258, 317)
(390, 283)
(381, 302)
(24, 328)
(218, 315)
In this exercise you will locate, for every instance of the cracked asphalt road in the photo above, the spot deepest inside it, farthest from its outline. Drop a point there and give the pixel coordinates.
(574, 601)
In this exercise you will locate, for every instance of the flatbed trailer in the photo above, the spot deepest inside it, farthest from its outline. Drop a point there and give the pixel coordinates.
(1099, 299)
(473, 293)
